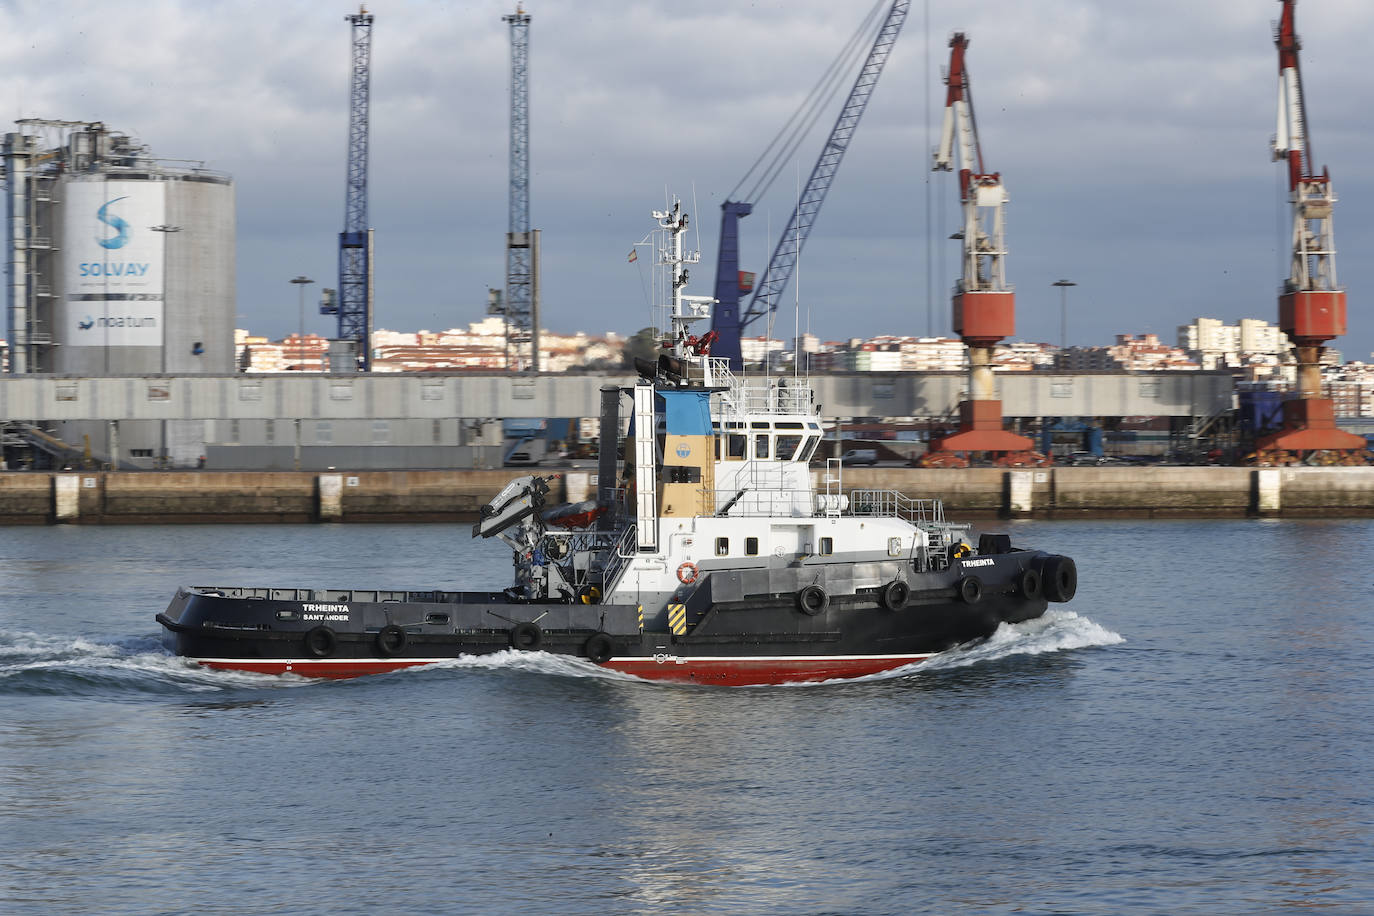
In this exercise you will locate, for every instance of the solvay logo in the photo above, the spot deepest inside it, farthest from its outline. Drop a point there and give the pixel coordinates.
(115, 223)
(87, 324)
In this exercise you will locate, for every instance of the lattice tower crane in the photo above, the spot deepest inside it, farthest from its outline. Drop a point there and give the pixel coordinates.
(521, 306)
(354, 305)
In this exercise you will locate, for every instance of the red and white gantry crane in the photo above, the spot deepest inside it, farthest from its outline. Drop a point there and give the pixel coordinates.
(1311, 304)
(984, 303)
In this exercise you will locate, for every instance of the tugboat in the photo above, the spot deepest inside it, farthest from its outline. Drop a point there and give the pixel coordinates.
(710, 554)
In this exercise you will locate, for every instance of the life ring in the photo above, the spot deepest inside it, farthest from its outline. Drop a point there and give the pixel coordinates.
(526, 637)
(1061, 578)
(391, 640)
(970, 589)
(599, 648)
(894, 596)
(1030, 583)
(321, 641)
(687, 573)
(812, 600)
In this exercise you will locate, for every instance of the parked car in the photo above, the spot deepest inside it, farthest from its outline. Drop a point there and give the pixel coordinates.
(856, 457)
(1083, 459)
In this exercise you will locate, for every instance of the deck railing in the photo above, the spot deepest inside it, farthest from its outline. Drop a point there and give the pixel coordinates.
(892, 503)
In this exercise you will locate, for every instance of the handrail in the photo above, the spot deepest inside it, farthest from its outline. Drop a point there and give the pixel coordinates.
(893, 503)
(616, 563)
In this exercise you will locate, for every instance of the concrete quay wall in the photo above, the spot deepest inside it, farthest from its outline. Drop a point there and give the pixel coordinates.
(438, 496)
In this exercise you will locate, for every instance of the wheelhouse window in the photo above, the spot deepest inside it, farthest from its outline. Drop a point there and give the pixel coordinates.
(736, 447)
(827, 546)
(751, 546)
(787, 447)
(722, 547)
(761, 445)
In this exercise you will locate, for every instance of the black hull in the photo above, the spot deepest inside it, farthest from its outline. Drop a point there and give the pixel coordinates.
(763, 639)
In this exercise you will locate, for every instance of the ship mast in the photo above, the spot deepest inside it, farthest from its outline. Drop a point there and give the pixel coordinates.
(683, 310)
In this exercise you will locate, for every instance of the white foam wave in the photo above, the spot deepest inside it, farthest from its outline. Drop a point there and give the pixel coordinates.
(1057, 630)
(136, 662)
(535, 662)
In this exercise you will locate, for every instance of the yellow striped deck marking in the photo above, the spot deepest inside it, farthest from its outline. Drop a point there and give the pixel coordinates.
(677, 619)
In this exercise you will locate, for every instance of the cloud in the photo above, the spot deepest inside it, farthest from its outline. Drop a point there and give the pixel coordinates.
(1132, 138)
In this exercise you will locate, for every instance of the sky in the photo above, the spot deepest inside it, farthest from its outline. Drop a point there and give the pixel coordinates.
(1132, 137)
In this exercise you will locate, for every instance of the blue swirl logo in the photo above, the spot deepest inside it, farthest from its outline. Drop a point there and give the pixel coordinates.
(115, 223)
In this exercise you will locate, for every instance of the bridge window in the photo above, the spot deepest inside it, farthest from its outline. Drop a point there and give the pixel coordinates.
(787, 447)
(722, 547)
(810, 449)
(735, 451)
(751, 546)
(827, 546)
(761, 445)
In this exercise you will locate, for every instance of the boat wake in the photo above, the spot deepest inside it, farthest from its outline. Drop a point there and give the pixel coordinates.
(33, 663)
(1057, 630)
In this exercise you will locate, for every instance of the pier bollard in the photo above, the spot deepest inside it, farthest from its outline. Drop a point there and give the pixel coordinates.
(329, 489)
(1268, 491)
(1020, 492)
(66, 497)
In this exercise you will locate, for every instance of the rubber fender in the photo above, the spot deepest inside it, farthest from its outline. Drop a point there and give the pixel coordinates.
(812, 600)
(321, 641)
(970, 589)
(1030, 585)
(391, 640)
(894, 595)
(526, 637)
(599, 648)
(1061, 578)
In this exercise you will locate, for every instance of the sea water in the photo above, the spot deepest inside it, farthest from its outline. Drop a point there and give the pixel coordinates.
(1194, 733)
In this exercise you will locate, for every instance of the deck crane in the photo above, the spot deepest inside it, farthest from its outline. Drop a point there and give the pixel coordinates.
(984, 303)
(727, 322)
(1311, 304)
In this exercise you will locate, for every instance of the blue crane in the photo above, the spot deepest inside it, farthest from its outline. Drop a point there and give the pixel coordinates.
(354, 303)
(521, 306)
(727, 321)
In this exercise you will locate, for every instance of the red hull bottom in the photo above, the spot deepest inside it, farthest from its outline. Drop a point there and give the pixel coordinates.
(722, 671)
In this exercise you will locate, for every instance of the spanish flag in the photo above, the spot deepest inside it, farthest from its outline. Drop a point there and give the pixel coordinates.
(634, 255)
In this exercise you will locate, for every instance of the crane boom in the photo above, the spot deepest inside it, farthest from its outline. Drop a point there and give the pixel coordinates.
(1313, 265)
(727, 320)
(981, 193)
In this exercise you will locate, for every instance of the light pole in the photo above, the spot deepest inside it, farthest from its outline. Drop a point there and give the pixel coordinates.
(302, 282)
(1063, 310)
(166, 231)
